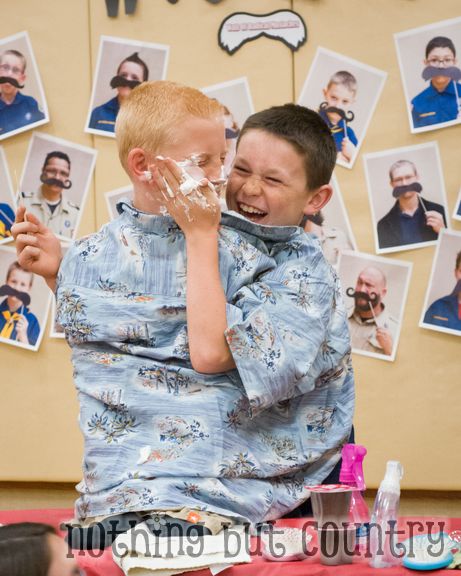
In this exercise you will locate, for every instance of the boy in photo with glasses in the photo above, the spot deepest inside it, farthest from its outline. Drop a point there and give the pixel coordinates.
(440, 101)
(16, 109)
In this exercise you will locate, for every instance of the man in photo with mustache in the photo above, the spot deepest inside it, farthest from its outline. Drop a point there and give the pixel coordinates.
(446, 311)
(16, 109)
(16, 320)
(131, 72)
(371, 327)
(48, 203)
(339, 97)
(412, 219)
(440, 101)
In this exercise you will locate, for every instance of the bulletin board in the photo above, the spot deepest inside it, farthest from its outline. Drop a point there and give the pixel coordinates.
(406, 410)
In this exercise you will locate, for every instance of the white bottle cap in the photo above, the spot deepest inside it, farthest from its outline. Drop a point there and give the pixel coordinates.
(391, 481)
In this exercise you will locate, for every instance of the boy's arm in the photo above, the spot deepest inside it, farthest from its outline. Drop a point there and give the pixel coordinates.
(199, 217)
(37, 248)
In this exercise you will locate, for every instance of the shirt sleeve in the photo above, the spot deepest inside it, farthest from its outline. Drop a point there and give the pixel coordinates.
(276, 328)
(33, 329)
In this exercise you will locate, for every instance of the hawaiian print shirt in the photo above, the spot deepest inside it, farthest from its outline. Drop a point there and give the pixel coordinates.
(160, 436)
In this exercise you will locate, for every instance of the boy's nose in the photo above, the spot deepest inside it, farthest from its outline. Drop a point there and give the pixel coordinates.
(252, 186)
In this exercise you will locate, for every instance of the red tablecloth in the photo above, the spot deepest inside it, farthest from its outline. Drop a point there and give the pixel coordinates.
(100, 563)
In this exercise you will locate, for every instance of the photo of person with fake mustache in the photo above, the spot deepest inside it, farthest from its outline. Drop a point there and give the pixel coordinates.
(16, 320)
(130, 73)
(371, 327)
(16, 109)
(340, 94)
(441, 101)
(413, 218)
(48, 203)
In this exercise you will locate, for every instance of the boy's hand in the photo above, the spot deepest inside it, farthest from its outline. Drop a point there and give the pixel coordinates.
(37, 248)
(21, 330)
(195, 210)
(347, 149)
(434, 220)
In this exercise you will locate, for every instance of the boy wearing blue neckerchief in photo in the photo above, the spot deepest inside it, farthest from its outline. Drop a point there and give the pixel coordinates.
(16, 320)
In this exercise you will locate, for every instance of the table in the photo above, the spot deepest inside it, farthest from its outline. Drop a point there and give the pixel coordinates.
(100, 563)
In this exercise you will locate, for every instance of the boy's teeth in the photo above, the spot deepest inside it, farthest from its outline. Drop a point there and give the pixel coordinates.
(250, 209)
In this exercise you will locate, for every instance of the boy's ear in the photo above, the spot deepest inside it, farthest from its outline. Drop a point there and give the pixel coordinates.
(318, 199)
(137, 162)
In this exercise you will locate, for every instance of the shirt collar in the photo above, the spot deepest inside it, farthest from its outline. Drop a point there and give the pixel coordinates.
(158, 224)
(17, 100)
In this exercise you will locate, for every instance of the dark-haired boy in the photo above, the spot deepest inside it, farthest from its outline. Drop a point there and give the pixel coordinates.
(48, 203)
(224, 386)
(441, 100)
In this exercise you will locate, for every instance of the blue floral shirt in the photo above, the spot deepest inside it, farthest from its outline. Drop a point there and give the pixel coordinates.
(160, 436)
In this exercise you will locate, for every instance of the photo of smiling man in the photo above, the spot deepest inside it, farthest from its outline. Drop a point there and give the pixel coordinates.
(55, 183)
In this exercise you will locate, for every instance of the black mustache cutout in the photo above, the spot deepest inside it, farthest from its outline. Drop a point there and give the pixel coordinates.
(346, 116)
(118, 81)
(55, 182)
(450, 72)
(372, 298)
(12, 81)
(6, 290)
(399, 190)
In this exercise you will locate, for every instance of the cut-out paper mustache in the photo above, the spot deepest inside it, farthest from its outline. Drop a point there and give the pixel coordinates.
(119, 81)
(12, 81)
(347, 116)
(371, 298)
(241, 27)
(450, 72)
(399, 190)
(6, 290)
(66, 184)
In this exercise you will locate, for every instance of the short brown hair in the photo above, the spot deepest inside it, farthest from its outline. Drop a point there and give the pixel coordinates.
(153, 110)
(305, 130)
(24, 549)
(16, 266)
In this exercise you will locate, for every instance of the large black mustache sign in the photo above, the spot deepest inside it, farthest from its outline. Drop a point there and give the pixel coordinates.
(242, 27)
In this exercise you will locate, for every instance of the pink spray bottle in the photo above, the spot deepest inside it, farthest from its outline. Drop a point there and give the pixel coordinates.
(352, 475)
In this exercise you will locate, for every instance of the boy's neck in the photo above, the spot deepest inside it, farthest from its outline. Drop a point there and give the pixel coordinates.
(12, 307)
(8, 98)
(144, 201)
(441, 85)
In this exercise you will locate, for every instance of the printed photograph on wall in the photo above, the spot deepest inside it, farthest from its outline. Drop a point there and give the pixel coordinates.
(121, 66)
(442, 304)
(457, 212)
(114, 196)
(22, 99)
(375, 291)
(431, 76)
(7, 202)
(24, 303)
(55, 182)
(345, 93)
(407, 197)
(235, 98)
(332, 226)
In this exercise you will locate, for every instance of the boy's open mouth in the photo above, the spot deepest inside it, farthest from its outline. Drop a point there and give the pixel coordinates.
(250, 212)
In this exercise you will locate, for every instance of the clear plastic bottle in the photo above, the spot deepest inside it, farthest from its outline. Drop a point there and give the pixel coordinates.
(383, 539)
(352, 475)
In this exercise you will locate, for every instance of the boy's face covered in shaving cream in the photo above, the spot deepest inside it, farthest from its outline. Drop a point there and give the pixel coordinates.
(199, 143)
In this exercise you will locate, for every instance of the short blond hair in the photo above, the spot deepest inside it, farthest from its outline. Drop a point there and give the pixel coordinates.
(154, 110)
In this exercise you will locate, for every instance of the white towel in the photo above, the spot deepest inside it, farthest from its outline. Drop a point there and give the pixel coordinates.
(138, 552)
